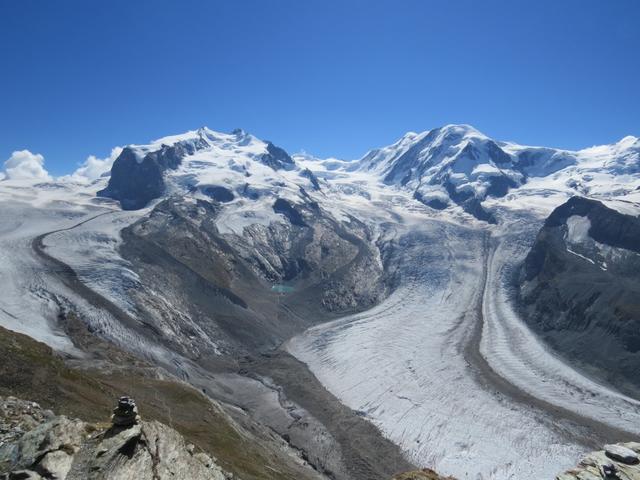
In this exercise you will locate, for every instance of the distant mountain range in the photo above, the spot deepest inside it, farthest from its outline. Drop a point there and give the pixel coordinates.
(452, 165)
(447, 301)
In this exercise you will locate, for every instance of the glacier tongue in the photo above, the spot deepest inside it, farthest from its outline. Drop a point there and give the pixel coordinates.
(409, 365)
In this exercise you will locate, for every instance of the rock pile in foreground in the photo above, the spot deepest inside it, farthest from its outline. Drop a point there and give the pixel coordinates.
(36, 444)
(616, 462)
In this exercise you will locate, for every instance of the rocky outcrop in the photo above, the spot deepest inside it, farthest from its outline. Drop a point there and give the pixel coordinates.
(277, 158)
(615, 462)
(138, 174)
(18, 417)
(606, 226)
(285, 208)
(241, 445)
(312, 178)
(135, 181)
(61, 448)
(37, 444)
(222, 283)
(579, 288)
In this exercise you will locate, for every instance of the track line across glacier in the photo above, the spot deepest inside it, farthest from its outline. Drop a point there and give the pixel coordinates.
(70, 278)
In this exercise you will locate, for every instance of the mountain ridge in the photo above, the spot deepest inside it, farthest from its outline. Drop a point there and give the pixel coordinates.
(313, 284)
(454, 165)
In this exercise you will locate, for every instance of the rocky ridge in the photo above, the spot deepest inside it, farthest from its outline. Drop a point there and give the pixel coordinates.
(579, 287)
(254, 247)
(36, 444)
(615, 462)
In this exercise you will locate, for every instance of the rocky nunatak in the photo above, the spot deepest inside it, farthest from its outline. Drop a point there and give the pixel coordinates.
(36, 444)
(616, 462)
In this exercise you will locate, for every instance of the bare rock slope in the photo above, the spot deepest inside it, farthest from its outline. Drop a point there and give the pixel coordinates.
(70, 449)
(580, 284)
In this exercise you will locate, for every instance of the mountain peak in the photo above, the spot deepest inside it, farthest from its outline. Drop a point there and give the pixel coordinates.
(205, 131)
(238, 132)
(461, 128)
(629, 141)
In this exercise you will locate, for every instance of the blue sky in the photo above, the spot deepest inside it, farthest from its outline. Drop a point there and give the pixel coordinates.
(334, 78)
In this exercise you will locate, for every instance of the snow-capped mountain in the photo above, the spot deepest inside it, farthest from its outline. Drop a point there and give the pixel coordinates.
(211, 255)
(452, 167)
(457, 164)
(215, 164)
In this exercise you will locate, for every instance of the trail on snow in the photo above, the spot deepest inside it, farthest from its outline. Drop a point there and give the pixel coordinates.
(70, 278)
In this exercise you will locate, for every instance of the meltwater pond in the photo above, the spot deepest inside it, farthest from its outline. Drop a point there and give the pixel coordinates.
(280, 288)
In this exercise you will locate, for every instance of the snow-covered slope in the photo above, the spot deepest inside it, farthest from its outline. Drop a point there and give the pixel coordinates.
(217, 165)
(29, 295)
(189, 234)
(458, 165)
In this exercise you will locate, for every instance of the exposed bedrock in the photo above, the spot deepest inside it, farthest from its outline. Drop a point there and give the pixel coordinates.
(138, 174)
(60, 448)
(135, 181)
(209, 293)
(614, 462)
(580, 288)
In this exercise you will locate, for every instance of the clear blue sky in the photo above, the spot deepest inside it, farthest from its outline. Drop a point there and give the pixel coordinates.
(332, 77)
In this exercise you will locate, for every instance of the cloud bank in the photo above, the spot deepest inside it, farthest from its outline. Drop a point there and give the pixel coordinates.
(94, 167)
(27, 166)
(24, 165)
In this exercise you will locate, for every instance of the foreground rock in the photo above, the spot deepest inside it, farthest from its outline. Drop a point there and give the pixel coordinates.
(56, 447)
(18, 416)
(620, 461)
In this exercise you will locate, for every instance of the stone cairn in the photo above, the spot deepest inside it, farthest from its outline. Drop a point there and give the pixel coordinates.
(125, 415)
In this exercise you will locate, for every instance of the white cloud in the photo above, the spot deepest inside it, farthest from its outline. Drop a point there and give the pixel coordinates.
(24, 165)
(94, 167)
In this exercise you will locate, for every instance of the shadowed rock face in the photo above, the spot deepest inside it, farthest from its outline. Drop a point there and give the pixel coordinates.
(135, 182)
(277, 158)
(137, 177)
(312, 177)
(470, 203)
(581, 290)
(218, 193)
(285, 208)
(434, 203)
(607, 225)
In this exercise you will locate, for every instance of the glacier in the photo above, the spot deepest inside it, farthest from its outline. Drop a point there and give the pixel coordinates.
(444, 366)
